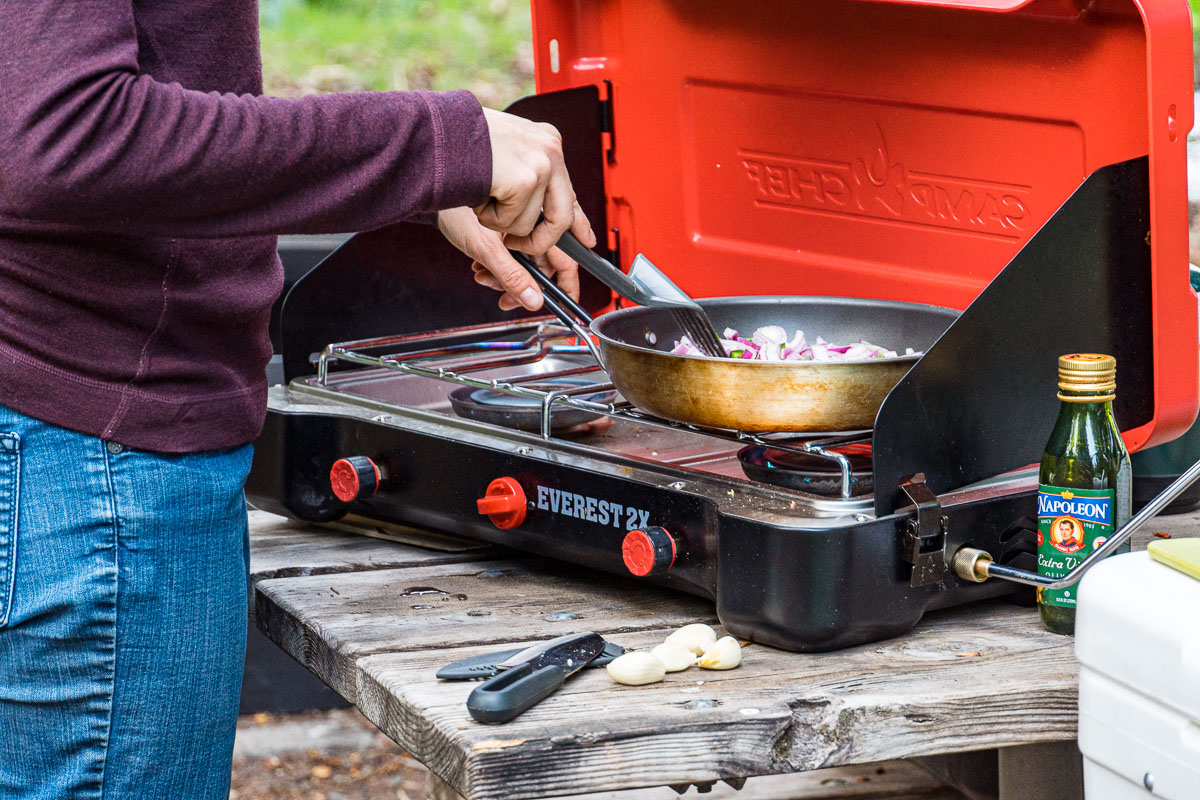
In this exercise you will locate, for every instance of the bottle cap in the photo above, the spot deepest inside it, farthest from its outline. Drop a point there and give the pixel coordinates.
(1092, 375)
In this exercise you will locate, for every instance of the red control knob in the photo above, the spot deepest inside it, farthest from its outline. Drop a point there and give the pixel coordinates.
(354, 478)
(648, 552)
(503, 503)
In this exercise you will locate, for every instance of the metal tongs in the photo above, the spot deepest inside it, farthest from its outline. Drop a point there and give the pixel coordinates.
(646, 285)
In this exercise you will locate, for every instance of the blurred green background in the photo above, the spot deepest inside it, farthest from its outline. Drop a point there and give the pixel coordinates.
(345, 45)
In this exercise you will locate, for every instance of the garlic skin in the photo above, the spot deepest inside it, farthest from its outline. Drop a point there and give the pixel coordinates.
(726, 653)
(696, 637)
(636, 669)
(674, 657)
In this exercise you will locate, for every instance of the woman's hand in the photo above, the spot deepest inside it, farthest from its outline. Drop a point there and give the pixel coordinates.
(495, 268)
(532, 199)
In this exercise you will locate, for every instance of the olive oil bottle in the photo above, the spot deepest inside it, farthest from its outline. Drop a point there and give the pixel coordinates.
(1085, 483)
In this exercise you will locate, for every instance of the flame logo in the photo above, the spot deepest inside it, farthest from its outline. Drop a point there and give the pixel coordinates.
(878, 181)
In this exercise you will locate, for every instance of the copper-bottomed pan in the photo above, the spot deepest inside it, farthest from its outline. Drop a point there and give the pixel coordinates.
(757, 396)
(633, 346)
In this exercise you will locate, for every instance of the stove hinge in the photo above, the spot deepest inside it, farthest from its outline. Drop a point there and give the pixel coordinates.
(606, 122)
(924, 534)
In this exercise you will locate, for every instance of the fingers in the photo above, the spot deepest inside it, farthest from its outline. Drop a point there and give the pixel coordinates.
(510, 277)
(565, 270)
(527, 222)
(531, 194)
(498, 214)
(492, 264)
(579, 226)
(558, 208)
(582, 228)
(485, 278)
(515, 204)
(554, 263)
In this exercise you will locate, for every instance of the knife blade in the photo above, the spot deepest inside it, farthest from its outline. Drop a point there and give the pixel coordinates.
(485, 665)
(531, 675)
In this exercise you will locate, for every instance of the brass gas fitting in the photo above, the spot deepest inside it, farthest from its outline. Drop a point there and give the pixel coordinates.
(971, 564)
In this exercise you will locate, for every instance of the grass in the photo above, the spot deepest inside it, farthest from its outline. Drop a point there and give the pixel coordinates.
(348, 45)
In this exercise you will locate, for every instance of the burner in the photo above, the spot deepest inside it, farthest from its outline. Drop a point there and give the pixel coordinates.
(525, 413)
(809, 473)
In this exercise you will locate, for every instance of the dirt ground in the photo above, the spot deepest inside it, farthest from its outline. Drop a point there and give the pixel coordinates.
(334, 755)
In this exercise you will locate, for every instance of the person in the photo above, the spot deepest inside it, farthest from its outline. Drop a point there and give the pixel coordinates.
(1067, 535)
(143, 178)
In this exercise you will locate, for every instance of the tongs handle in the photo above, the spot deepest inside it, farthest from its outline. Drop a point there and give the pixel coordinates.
(569, 312)
(645, 284)
(552, 292)
(601, 268)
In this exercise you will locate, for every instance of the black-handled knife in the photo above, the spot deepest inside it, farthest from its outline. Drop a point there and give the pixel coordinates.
(484, 666)
(532, 675)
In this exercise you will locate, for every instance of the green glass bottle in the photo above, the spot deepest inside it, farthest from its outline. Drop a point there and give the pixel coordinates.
(1085, 483)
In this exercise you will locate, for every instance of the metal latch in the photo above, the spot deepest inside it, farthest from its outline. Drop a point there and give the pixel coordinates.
(924, 536)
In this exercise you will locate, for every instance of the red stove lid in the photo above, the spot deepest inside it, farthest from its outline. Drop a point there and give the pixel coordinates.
(900, 149)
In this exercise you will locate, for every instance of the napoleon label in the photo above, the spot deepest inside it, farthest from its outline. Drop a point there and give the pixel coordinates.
(1071, 524)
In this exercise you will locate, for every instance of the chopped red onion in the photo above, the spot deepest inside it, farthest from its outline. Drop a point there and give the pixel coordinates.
(771, 343)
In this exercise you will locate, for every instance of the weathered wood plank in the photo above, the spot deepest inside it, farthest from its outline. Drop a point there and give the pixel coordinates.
(328, 622)
(778, 712)
(891, 780)
(280, 547)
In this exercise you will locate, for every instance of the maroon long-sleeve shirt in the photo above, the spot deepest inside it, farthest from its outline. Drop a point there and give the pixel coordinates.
(142, 181)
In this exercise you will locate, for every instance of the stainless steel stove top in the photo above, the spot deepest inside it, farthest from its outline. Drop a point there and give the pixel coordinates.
(410, 390)
(676, 457)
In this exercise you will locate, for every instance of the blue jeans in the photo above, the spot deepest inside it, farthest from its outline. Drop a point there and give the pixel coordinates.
(122, 616)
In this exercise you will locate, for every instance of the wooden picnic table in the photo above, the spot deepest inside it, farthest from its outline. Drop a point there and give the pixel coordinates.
(375, 619)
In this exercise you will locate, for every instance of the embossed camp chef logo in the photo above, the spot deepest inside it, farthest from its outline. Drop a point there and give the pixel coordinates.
(874, 185)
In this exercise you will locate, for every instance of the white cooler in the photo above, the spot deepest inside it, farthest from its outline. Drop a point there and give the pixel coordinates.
(1138, 643)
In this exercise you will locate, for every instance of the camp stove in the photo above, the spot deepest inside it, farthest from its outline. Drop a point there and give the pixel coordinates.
(772, 149)
(567, 469)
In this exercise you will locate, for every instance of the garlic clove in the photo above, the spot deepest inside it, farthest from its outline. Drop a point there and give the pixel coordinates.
(674, 657)
(696, 637)
(725, 653)
(637, 668)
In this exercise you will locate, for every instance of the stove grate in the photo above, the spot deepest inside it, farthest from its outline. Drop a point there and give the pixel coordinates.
(521, 343)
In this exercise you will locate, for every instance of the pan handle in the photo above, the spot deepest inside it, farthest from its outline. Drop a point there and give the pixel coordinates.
(569, 312)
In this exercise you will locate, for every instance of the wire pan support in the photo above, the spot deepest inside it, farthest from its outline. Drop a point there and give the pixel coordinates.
(538, 342)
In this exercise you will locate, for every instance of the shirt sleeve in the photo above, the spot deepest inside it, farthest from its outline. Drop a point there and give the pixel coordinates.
(87, 140)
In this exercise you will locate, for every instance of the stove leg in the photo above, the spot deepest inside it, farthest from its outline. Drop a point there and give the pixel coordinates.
(1047, 771)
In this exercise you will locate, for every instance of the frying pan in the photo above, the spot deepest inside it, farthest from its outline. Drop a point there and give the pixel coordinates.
(633, 346)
